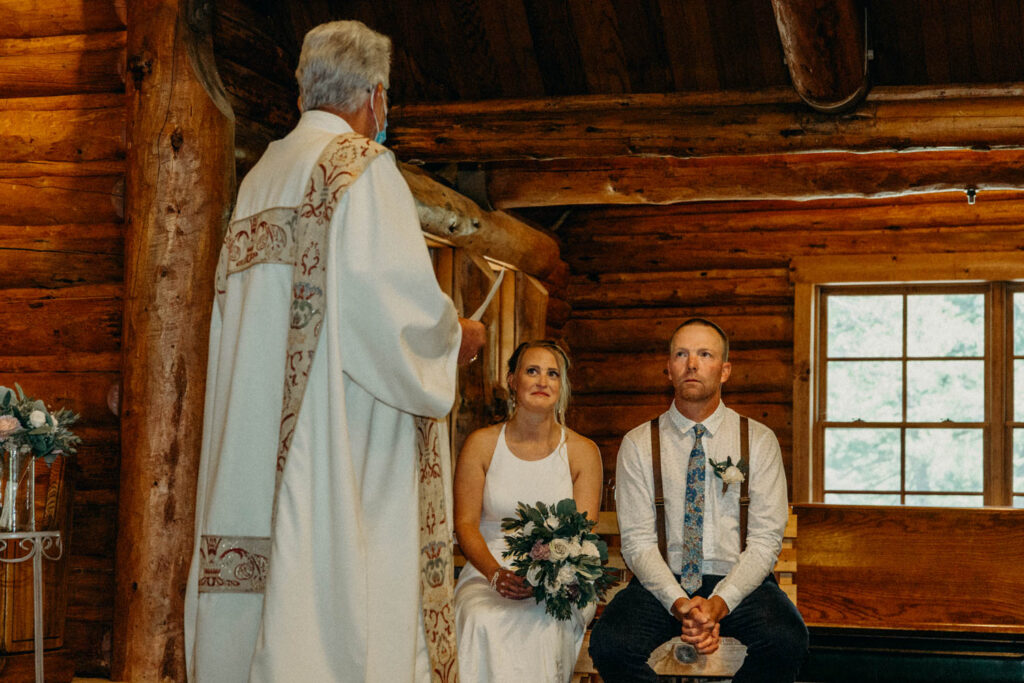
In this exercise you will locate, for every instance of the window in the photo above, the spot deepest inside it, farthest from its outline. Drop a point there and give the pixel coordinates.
(913, 393)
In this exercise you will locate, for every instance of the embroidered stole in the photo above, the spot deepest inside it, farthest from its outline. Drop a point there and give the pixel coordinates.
(297, 236)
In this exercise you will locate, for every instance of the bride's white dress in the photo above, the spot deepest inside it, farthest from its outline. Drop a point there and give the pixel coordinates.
(515, 640)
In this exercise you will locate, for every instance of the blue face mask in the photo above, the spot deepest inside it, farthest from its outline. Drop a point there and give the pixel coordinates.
(382, 133)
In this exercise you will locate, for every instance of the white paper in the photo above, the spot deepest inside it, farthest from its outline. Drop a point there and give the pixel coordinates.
(479, 313)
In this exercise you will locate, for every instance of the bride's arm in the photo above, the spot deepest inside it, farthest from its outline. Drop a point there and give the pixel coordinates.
(587, 475)
(470, 473)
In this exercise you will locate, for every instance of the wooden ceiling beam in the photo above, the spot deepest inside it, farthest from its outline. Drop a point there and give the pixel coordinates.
(457, 219)
(773, 121)
(823, 41)
(651, 180)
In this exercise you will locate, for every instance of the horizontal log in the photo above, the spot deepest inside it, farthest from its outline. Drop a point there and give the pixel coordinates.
(47, 359)
(753, 371)
(937, 210)
(102, 238)
(52, 323)
(62, 65)
(85, 393)
(948, 267)
(687, 288)
(254, 96)
(615, 420)
(96, 464)
(637, 335)
(457, 219)
(51, 270)
(51, 200)
(31, 18)
(801, 177)
(244, 33)
(776, 249)
(69, 128)
(700, 124)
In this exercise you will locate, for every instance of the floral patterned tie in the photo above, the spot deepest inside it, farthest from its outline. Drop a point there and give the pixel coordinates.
(693, 524)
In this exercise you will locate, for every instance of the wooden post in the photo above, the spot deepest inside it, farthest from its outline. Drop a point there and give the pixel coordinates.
(179, 182)
(824, 43)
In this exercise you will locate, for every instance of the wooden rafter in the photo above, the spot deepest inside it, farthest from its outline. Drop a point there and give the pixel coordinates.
(707, 124)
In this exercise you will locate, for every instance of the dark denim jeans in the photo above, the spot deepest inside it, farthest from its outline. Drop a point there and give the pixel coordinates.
(634, 623)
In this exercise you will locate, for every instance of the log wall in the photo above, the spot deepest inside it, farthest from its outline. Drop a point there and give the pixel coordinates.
(636, 272)
(62, 151)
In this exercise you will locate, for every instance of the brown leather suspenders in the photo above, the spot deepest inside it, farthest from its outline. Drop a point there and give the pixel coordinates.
(659, 495)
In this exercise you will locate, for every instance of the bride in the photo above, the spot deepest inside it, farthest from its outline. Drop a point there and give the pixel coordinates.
(503, 634)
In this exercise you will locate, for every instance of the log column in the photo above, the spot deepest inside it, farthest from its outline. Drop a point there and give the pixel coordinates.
(179, 182)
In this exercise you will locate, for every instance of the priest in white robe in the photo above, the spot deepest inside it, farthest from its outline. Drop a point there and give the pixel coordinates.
(306, 563)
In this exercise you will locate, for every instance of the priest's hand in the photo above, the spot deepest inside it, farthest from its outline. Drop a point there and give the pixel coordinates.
(473, 336)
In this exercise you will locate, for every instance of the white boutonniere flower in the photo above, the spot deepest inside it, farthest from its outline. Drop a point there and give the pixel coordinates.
(729, 473)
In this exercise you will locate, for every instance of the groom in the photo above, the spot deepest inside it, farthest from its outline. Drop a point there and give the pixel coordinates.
(708, 584)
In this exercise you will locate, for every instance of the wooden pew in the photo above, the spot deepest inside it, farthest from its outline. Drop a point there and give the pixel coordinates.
(906, 593)
(721, 664)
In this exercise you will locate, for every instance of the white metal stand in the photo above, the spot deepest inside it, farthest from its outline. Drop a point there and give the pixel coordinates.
(34, 545)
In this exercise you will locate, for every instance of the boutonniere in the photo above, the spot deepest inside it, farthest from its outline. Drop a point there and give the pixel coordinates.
(729, 473)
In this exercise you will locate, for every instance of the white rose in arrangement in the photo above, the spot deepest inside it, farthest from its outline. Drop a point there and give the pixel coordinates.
(575, 549)
(528, 528)
(732, 475)
(588, 548)
(559, 548)
(554, 522)
(37, 418)
(533, 575)
(566, 575)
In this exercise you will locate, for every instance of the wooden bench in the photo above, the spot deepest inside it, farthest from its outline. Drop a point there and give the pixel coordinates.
(911, 593)
(729, 657)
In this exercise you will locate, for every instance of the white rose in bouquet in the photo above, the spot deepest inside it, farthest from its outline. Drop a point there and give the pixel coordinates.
(588, 548)
(559, 548)
(533, 575)
(553, 522)
(575, 549)
(37, 419)
(566, 575)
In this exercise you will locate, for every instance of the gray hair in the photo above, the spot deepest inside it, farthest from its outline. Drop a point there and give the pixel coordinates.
(340, 63)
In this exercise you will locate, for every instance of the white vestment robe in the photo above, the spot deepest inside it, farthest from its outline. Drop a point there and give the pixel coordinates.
(342, 592)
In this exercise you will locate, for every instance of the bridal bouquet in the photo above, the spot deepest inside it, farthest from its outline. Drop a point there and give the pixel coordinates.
(26, 424)
(555, 550)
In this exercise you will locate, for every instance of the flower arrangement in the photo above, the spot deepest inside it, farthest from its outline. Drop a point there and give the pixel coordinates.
(554, 548)
(27, 424)
(730, 473)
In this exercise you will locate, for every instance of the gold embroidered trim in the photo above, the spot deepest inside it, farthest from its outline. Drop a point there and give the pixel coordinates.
(233, 564)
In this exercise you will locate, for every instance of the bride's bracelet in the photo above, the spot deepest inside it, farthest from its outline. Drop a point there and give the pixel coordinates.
(494, 579)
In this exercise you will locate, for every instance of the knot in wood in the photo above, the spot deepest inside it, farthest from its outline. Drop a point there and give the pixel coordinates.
(140, 66)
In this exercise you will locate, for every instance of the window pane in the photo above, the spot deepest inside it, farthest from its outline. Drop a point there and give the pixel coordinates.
(865, 326)
(862, 459)
(1018, 323)
(946, 501)
(864, 390)
(944, 460)
(946, 325)
(945, 390)
(862, 498)
(1018, 460)
(1018, 390)
(1018, 501)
